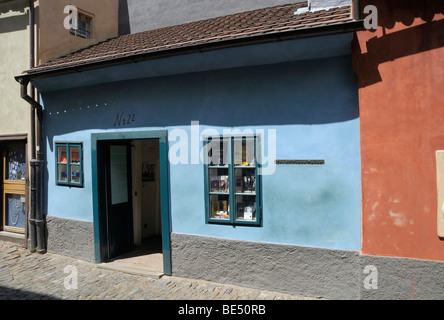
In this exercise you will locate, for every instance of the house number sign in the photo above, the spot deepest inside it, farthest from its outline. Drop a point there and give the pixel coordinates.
(124, 119)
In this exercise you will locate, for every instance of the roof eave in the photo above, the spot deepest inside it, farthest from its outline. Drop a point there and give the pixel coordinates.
(345, 27)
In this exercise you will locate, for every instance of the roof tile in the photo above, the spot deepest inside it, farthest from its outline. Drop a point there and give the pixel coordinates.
(242, 25)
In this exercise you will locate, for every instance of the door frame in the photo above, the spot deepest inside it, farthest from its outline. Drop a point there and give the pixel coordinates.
(162, 136)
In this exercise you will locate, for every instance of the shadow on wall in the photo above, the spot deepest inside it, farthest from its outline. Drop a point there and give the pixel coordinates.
(323, 91)
(392, 44)
(124, 20)
(16, 22)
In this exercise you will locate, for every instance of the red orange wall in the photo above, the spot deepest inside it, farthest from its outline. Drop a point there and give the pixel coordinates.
(400, 71)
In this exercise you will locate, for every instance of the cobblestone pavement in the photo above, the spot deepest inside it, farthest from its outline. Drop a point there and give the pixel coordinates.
(31, 276)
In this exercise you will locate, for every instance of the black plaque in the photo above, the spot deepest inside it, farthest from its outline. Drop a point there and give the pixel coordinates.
(301, 162)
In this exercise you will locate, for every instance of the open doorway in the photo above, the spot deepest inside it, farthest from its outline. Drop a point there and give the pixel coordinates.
(130, 204)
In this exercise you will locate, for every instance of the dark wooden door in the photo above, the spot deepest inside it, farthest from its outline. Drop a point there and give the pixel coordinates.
(118, 210)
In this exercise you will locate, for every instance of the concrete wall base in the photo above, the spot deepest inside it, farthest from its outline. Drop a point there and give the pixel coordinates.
(72, 238)
(306, 271)
(297, 270)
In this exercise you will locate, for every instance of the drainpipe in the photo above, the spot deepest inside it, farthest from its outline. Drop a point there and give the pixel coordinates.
(356, 10)
(36, 219)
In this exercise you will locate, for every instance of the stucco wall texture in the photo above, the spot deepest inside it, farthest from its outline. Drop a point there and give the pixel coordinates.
(14, 59)
(400, 70)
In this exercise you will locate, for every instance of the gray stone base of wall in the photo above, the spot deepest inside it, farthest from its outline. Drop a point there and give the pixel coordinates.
(72, 238)
(306, 271)
(297, 270)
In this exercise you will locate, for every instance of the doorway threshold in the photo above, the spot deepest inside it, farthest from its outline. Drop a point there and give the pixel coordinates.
(135, 269)
(143, 260)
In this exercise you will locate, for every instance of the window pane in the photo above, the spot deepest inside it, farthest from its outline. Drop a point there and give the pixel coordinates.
(119, 174)
(219, 181)
(61, 154)
(62, 172)
(15, 210)
(218, 152)
(75, 173)
(245, 180)
(15, 164)
(244, 154)
(219, 207)
(74, 155)
(246, 208)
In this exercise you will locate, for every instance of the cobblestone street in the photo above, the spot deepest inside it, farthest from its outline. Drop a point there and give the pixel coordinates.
(28, 276)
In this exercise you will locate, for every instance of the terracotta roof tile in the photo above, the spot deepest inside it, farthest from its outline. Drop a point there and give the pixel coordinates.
(242, 25)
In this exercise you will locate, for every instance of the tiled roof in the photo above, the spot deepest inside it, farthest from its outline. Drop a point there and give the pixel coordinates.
(267, 21)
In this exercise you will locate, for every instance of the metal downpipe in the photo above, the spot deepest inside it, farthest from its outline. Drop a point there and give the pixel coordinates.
(36, 219)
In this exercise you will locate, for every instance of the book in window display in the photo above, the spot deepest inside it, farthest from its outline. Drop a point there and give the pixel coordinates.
(223, 184)
(249, 182)
(214, 183)
(239, 184)
(219, 209)
(246, 211)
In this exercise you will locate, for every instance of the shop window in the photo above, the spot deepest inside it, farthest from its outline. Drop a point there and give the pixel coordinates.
(69, 164)
(232, 182)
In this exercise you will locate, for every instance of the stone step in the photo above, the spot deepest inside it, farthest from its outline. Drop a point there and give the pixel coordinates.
(135, 269)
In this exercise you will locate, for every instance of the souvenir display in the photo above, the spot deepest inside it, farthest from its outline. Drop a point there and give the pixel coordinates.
(69, 167)
(249, 184)
(219, 209)
(246, 210)
(219, 181)
(241, 199)
(245, 180)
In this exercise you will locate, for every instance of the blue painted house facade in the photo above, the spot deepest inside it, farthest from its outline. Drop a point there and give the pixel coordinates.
(134, 143)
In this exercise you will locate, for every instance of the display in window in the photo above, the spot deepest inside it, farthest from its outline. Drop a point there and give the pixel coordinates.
(244, 154)
(61, 154)
(16, 164)
(245, 179)
(220, 208)
(75, 174)
(74, 154)
(232, 161)
(63, 172)
(69, 164)
(219, 181)
(245, 208)
(218, 154)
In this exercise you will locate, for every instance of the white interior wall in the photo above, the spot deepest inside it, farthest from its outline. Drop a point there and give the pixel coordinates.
(146, 189)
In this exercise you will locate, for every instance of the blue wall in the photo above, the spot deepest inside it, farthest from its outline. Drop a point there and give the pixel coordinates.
(312, 105)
